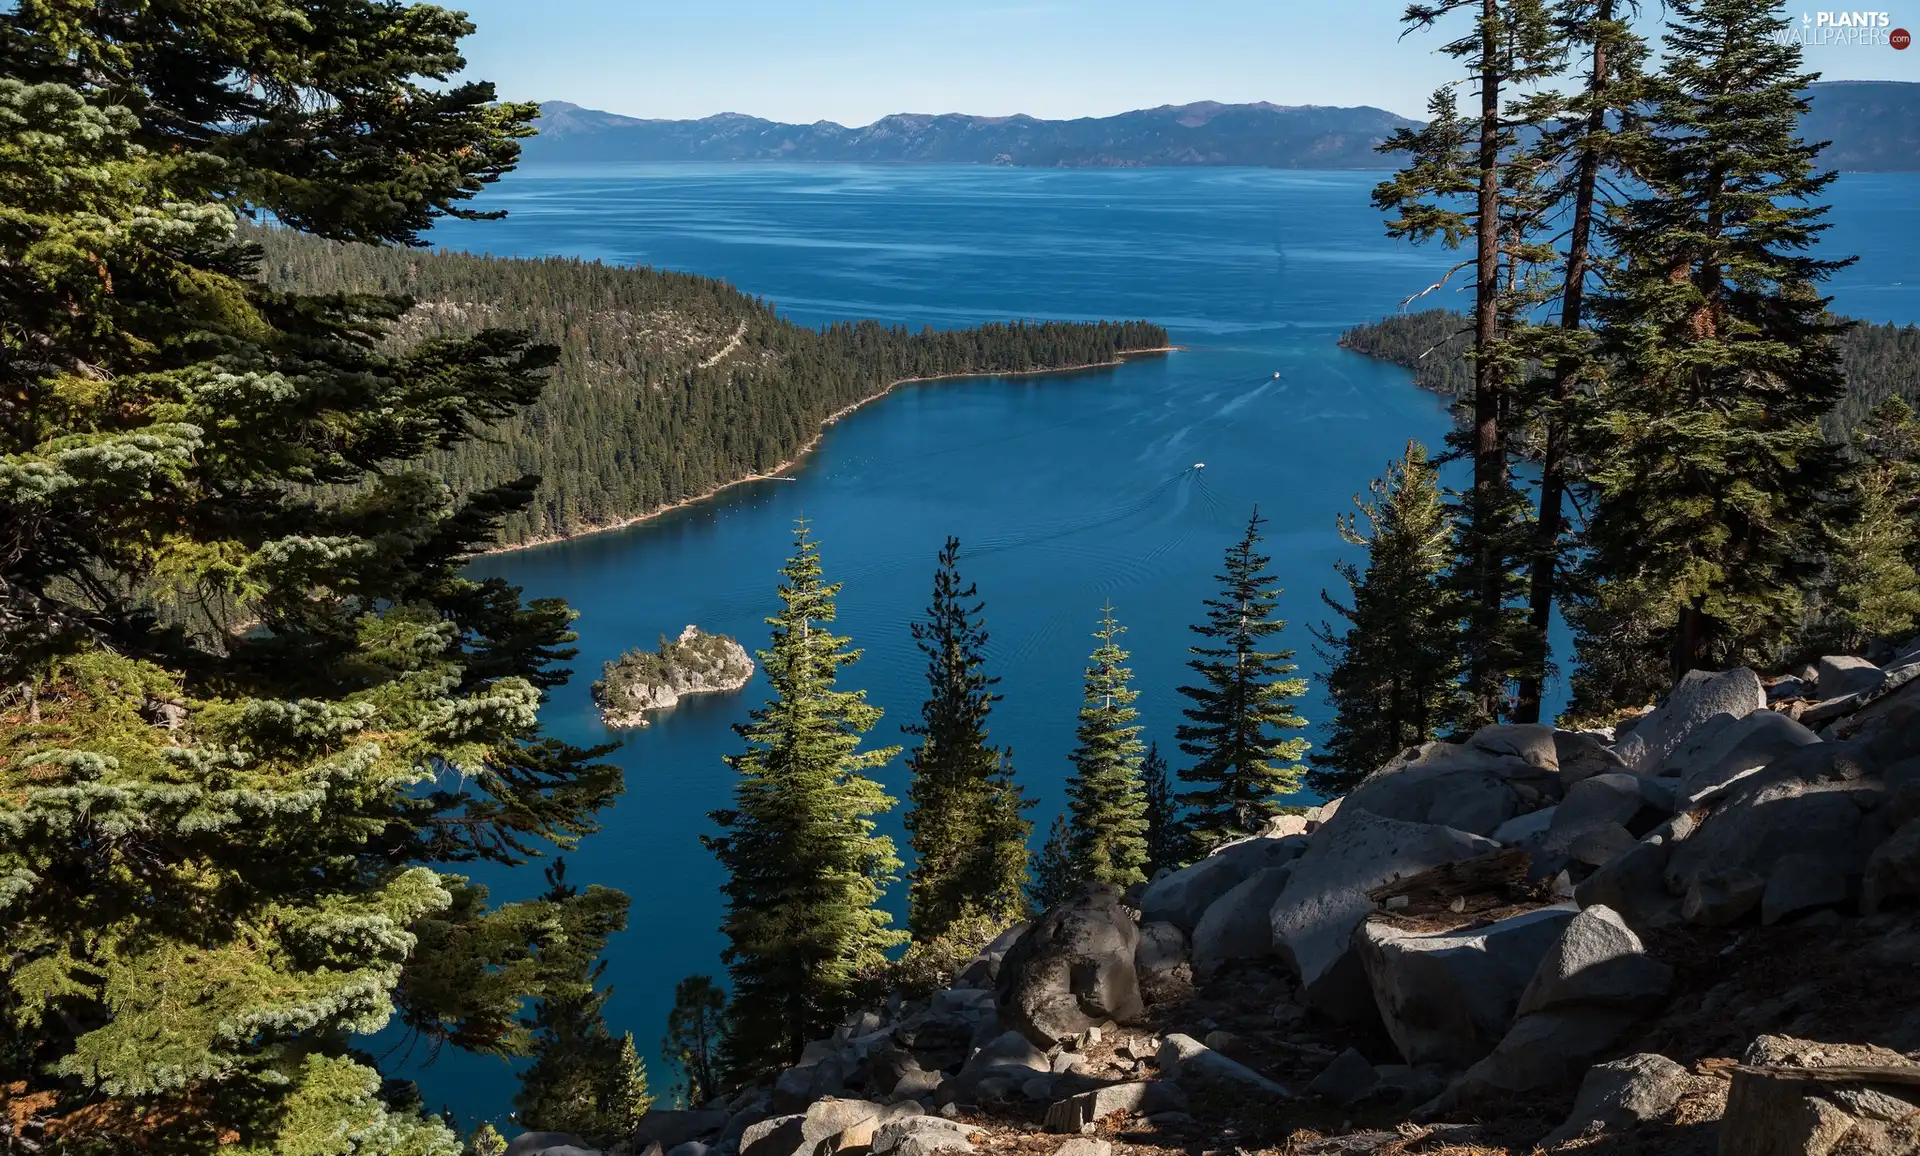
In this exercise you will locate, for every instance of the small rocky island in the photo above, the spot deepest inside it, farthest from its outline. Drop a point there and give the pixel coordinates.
(642, 681)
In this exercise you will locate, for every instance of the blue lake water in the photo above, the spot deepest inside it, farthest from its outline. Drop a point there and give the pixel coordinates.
(1066, 492)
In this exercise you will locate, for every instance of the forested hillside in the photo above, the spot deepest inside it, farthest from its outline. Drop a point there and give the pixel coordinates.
(1881, 361)
(667, 385)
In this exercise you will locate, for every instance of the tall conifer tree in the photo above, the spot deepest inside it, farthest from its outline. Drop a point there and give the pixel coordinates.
(1576, 137)
(229, 851)
(1168, 842)
(583, 1079)
(1244, 700)
(1713, 475)
(696, 1038)
(1107, 800)
(805, 869)
(1392, 670)
(966, 815)
(1876, 586)
(1450, 159)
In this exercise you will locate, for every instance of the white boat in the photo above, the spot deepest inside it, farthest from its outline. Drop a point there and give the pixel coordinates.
(1199, 465)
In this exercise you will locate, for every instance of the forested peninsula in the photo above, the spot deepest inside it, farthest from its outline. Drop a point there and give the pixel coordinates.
(1880, 361)
(666, 386)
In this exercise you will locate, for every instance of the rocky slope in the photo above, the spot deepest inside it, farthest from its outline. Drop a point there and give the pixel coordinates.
(694, 663)
(1694, 933)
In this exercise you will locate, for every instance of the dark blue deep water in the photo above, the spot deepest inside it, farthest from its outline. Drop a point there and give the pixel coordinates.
(1066, 492)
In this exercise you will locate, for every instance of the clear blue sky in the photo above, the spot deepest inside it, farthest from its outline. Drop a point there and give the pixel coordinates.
(853, 61)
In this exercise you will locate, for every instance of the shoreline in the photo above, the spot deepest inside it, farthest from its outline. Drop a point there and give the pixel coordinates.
(800, 454)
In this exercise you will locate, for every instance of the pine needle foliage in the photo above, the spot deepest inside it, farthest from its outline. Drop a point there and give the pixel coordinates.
(1713, 478)
(805, 868)
(1392, 669)
(966, 817)
(1243, 764)
(1106, 799)
(582, 1080)
(1168, 844)
(696, 1039)
(224, 852)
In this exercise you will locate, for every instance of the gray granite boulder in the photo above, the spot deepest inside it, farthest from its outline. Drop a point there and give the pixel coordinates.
(534, 1143)
(1182, 897)
(1326, 898)
(1621, 1094)
(1597, 961)
(1162, 948)
(1819, 800)
(1699, 696)
(1183, 1058)
(1444, 783)
(1590, 804)
(1800, 883)
(1893, 870)
(1843, 674)
(1239, 924)
(1346, 1079)
(1633, 885)
(1746, 745)
(1072, 969)
(1448, 997)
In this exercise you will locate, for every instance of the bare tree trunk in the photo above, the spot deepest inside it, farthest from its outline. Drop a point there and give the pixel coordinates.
(1551, 520)
(1489, 455)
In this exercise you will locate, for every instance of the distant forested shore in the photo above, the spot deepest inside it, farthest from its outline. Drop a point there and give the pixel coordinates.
(1880, 361)
(666, 387)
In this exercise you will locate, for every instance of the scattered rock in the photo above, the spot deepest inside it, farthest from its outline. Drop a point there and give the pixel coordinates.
(1443, 783)
(1583, 755)
(1603, 800)
(671, 1128)
(1596, 961)
(921, 1136)
(1811, 801)
(1346, 1079)
(1842, 675)
(1783, 1102)
(1598, 846)
(1448, 997)
(1081, 1146)
(1182, 1057)
(1540, 1050)
(916, 1085)
(1239, 924)
(1699, 696)
(690, 1148)
(1746, 745)
(1010, 1056)
(1072, 969)
(1162, 948)
(1527, 830)
(1326, 898)
(1722, 897)
(534, 1143)
(1082, 1112)
(985, 967)
(1621, 1094)
(1182, 897)
(1893, 870)
(1634, 885)
(1801, 883)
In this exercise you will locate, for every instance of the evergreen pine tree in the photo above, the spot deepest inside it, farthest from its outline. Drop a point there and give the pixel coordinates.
(805, 869)
(1713, 476)
(582, 1080)
(696, 1038)
(1877, 590)
(1244, 699)
(1452, 158)
(1168, 843)
(1392, 670)
(1053, 877)
(228, 849)
(966, 814)
(1575, 139)
(1107, 800)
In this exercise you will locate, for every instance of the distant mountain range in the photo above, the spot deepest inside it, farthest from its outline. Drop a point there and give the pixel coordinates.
(1874, 126)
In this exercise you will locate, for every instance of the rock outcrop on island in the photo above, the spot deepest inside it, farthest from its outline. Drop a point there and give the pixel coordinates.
(695, 663)
(1695, 933)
